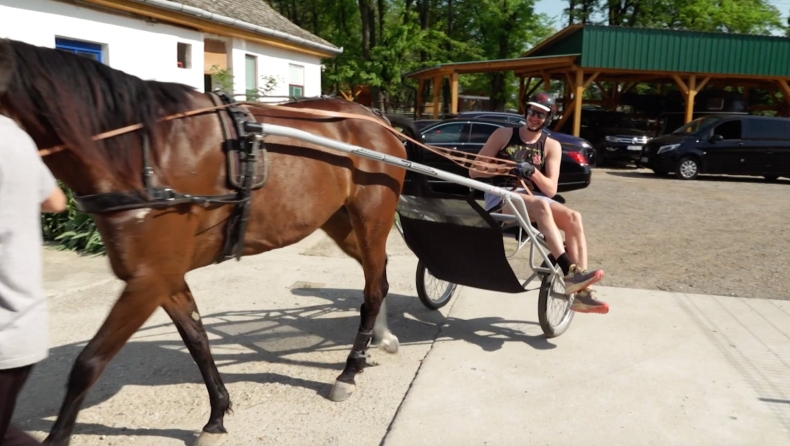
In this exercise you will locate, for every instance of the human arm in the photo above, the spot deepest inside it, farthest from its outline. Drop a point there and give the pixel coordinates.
(547, 183)
(480, 167)
(56, 202)
(51, 197)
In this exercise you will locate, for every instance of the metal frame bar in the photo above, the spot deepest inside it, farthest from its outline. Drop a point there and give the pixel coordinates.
(510, 198)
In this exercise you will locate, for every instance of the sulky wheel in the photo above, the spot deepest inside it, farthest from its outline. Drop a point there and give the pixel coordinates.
(554, 307)
(434, 293)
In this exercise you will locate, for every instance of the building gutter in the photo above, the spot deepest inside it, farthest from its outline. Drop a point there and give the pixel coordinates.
(235, 23)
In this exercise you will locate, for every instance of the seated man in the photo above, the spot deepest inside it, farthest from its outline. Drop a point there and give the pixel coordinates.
(538, 158)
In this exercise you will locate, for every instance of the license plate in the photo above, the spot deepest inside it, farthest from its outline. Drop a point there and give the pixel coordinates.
(635, 148)
(643, 159)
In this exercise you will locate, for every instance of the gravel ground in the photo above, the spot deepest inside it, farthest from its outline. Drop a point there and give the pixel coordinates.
(718, 235)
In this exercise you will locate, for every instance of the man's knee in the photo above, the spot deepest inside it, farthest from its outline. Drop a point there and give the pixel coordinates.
(576, 219)
(541, 207)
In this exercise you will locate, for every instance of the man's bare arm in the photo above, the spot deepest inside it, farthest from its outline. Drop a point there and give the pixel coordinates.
(548, 183)
(56, 202)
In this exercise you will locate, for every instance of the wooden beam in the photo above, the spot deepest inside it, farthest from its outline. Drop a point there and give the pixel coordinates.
(566, 114)
(418, 104)
(607, 95)
(615, 95)
(577, 100)
(702, 84)
(532, 91)
(589, 81)
(785, 89)
(569, 81)
(522, 86)
(682, 85)
(454, 93)
(437, 88)
(546, 81)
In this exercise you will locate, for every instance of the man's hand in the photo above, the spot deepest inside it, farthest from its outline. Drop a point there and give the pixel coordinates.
(523, 170)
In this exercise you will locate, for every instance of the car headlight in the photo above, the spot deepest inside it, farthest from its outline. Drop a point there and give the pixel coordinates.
(611, 138)
(668, 148)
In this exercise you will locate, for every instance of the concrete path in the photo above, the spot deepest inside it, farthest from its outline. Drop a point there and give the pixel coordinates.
(661, 368)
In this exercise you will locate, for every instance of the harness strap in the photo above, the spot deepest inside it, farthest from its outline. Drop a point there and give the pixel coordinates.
(131, 128)
(479, 161)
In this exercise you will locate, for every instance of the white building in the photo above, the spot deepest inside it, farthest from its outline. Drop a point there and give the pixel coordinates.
(182, 41)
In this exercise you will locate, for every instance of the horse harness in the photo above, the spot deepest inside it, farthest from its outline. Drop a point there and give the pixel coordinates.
(247, 167)
(247, 171)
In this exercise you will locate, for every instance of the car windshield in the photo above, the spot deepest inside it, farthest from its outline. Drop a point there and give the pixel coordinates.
(695, 125)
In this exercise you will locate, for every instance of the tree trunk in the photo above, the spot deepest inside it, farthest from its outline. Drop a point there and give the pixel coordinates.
(365, 13)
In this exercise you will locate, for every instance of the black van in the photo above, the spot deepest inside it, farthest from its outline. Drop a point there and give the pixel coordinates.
(734, 145)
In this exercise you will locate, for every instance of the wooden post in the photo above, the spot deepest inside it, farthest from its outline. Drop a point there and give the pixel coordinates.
(521, 90)
(418, 102)
(454, 92)
(437, 89)
(577, 99)
(785, 89)
(690, 94)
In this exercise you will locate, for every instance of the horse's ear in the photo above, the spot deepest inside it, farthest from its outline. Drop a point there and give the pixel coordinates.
(7, 64)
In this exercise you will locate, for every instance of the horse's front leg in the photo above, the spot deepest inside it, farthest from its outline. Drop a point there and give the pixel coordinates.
(182, 309)
(136, 304)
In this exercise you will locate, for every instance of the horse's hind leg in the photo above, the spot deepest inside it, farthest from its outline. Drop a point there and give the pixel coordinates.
(339, 229)
(137, 302)
(371, 228)
(183, 311)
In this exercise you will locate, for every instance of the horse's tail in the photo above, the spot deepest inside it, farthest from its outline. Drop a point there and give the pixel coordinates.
(414, 183)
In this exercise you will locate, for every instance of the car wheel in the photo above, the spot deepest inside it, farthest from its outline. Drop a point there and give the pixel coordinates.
(687, 169)
(771, 178)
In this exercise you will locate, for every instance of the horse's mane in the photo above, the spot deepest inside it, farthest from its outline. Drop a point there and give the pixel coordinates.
(72, 98)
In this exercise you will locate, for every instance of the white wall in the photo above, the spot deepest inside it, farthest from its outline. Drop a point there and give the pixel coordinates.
(136, 46)
(274, 61)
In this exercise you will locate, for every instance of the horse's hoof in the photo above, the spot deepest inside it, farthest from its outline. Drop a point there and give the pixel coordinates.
(341, 391)
(389, 343)
(209, 439)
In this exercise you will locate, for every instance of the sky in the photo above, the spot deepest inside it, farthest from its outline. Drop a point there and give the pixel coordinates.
(553, 8)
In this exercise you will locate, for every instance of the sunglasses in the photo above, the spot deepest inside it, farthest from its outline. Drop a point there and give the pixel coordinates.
(539, 114)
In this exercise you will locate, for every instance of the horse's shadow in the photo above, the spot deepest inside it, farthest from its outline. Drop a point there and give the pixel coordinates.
(264, 335)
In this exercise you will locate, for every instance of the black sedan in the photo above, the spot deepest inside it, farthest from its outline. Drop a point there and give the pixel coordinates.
(470, 135)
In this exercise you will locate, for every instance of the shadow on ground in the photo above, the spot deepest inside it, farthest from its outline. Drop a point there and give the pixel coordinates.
(266, 335)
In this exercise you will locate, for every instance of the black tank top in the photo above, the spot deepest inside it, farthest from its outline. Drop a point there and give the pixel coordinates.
(517, 150)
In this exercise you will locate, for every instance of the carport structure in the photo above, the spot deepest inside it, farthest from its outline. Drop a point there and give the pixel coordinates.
(580, 55)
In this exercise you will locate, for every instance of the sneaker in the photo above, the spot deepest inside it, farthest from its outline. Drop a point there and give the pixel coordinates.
(585, 302)
(578, 279)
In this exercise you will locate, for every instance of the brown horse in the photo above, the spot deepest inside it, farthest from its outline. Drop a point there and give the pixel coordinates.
(63, 99)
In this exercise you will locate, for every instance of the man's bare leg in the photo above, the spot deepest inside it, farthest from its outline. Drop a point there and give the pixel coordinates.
(570, 222)
(540, 212)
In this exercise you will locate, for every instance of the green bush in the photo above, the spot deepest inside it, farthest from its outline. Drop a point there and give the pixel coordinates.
(72, 229)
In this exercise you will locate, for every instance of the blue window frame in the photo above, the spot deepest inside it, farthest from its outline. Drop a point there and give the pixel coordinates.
(85, 49)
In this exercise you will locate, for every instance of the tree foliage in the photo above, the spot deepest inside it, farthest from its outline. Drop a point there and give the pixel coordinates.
(383, 39)
(729, 16)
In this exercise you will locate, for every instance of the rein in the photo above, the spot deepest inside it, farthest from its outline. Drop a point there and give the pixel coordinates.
(133, 127)
(478, 162)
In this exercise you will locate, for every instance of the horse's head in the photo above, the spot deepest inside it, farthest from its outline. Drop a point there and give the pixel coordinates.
(7, 65)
